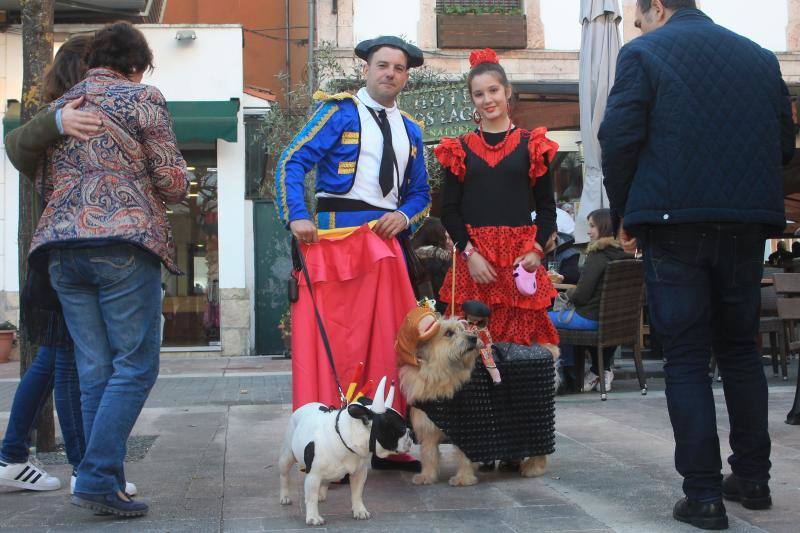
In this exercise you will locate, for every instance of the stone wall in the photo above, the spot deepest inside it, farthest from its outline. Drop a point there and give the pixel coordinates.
(793, 26)
(533, 14)
(9, 307)
(520, 65)
(9, 310)
(235, 321)
(629, 31)
(335, 28)
(790, 66)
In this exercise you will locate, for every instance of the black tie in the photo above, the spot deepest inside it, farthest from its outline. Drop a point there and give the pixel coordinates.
(386, 176)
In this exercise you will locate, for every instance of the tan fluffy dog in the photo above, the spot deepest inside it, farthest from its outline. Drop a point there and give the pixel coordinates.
(437, 357)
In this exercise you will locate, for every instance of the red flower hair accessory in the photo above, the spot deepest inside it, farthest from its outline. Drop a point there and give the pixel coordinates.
(487, 55)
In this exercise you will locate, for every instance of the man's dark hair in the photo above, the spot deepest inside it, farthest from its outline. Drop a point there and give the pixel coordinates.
(376, 48)
(122, 48)
(645, 5)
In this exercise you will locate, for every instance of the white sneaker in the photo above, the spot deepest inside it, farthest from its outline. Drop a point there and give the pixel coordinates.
(609, 375)
(130, 488)
(590, 381)
(28, 476)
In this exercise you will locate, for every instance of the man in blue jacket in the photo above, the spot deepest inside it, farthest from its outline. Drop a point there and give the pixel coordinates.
(369, 154)
(697, 126)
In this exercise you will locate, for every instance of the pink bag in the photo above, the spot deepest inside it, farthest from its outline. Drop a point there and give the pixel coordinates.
(525, 281)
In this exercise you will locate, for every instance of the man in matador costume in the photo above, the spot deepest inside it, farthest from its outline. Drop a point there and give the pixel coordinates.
(371, 191)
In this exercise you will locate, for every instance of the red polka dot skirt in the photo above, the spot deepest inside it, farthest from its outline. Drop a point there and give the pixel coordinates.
(515, 317)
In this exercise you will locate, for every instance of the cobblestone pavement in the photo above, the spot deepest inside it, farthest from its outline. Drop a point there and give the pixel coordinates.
(212, 467)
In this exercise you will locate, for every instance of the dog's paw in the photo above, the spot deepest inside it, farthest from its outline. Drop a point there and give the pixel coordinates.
(361, 513)
(463, 480)
(423, 479)
(533, 466)
(285, 500)
(315, 520)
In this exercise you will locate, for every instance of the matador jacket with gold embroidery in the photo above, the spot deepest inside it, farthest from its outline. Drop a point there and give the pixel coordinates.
(331, 140)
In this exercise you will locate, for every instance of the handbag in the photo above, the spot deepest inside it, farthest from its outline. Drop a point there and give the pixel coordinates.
(562, 305)
(525, 281)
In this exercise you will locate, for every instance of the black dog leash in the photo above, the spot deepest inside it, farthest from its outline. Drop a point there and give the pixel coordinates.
(340, 434)
(322, 332)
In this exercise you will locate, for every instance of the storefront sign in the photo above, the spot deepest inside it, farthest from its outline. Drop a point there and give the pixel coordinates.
(446, 110)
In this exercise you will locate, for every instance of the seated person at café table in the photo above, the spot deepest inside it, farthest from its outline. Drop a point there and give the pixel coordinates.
(603, 248)
(562, 256)
(781, 255)
(563, 260)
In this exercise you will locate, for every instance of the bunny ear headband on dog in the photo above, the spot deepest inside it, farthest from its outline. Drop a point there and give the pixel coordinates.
(420, 325)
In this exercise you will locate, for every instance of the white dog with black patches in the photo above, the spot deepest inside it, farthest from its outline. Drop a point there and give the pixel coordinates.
(329, 443)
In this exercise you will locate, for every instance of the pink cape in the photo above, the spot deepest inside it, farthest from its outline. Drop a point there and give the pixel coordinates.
(363, 293)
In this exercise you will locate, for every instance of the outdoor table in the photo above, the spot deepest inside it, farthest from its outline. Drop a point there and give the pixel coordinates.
(563, 286)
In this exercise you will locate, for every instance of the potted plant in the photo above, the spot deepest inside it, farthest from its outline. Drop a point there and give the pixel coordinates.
(471, 26)
(285, 327)
(7, 332)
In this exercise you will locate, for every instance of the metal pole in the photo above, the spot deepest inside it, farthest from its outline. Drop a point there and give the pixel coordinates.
(311, 41)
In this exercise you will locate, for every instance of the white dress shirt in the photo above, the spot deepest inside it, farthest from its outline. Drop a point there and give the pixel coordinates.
(367, 187)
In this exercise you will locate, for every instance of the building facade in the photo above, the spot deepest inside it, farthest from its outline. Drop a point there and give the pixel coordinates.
(208, 310)
(275, 36)
(545, 77)
(221, 82)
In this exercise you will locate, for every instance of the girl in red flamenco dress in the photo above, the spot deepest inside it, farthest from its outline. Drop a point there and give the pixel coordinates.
(496, 174)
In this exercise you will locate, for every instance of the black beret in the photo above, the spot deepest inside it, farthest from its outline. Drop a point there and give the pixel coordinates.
(413, 53)
(476, 308)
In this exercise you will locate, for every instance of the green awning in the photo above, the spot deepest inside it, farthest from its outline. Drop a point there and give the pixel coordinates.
(11, 118)
(205, 121)
(193, 122)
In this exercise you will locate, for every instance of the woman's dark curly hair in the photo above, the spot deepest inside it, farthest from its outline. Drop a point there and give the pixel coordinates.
(431, 233)
(68, 68)
(122, 48)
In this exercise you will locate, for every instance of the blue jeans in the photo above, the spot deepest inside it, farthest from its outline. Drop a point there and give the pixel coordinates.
(52, 367)
(703, 292)
(561, 319)
(111, 297)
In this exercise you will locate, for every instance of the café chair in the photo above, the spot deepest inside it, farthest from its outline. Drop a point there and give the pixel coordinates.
(621, 299)
(769, 323)
(787, 287)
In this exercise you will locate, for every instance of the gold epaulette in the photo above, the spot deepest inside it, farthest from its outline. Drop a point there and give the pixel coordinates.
(419, 123)
(323, 96)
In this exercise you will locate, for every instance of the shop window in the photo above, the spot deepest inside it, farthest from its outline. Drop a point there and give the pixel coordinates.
(191, 302)
(255, 168)
(567, 171)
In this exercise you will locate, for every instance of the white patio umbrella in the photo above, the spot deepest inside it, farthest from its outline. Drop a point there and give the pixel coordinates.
(600, 44)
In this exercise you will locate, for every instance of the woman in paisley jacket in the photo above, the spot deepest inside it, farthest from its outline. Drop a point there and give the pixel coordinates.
(105, 233)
